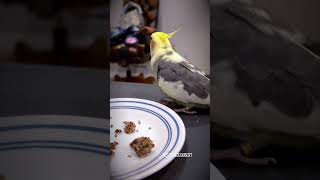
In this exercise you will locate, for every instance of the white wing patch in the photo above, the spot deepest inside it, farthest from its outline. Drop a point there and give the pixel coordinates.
(176, 91)
(194, 69)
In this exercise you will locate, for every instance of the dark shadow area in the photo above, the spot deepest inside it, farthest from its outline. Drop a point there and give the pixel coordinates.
(54, 63)
(65, 33)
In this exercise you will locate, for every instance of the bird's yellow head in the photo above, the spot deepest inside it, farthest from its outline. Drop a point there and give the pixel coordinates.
(160, 40)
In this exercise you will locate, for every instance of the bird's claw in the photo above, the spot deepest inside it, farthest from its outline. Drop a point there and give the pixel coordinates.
(235, 154)
(168, 102)
(269, 160)
(184, 110)
(257, 161)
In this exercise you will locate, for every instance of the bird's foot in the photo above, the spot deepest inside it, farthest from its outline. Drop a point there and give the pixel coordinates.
(236, 154)
(185, 110)
(166, 101)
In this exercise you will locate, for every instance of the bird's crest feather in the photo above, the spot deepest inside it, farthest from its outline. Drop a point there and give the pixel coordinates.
(163, 37)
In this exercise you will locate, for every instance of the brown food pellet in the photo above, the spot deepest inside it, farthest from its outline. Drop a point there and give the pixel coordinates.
(130, 127)
(142, 146)
(139, 122)
(113, 145)
(129, 156)
(118, 131)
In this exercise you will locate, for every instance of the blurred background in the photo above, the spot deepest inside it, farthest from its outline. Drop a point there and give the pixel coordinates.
(68, 33)
(132, 23)
(241, 38)
(53, 61)
(53, 57)
(301, 15)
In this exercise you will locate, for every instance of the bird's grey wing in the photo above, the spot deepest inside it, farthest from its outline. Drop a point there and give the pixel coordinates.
(261, 20)
(193, 81)
(282, 88)
(193, 68)
(270, 66)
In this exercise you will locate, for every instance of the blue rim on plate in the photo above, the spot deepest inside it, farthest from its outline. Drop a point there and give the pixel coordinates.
(134, 172)
(54, 144)
(177, 121)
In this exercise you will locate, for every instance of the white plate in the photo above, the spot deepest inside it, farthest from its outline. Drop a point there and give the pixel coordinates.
(167, 132)
(53, 147)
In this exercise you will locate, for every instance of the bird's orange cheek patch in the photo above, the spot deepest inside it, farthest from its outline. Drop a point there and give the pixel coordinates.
(151, 44)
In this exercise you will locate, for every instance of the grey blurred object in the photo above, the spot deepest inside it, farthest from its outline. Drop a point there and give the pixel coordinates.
(43, 89)
(215, 174)
(265, 79)
(50, 8)
(131, 15)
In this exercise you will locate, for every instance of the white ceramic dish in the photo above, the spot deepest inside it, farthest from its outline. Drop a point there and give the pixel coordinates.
(53, 147)
(158, 122)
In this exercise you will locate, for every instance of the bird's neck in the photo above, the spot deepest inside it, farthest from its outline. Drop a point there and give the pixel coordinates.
(156, 53)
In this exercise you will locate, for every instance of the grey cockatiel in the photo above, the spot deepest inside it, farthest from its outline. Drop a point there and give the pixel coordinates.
(265, 82)
(184, 83)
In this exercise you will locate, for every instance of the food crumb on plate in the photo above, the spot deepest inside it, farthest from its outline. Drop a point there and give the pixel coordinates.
(130, 127)
(113, 146)
(142, 146)
(118, 131)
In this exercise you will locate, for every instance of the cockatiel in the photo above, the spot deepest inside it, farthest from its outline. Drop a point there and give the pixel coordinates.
(266, 83)
(184, 83)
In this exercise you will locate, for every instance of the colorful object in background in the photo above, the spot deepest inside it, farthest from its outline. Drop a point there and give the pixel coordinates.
(130, 40)
(131, 16)
(118, 35)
